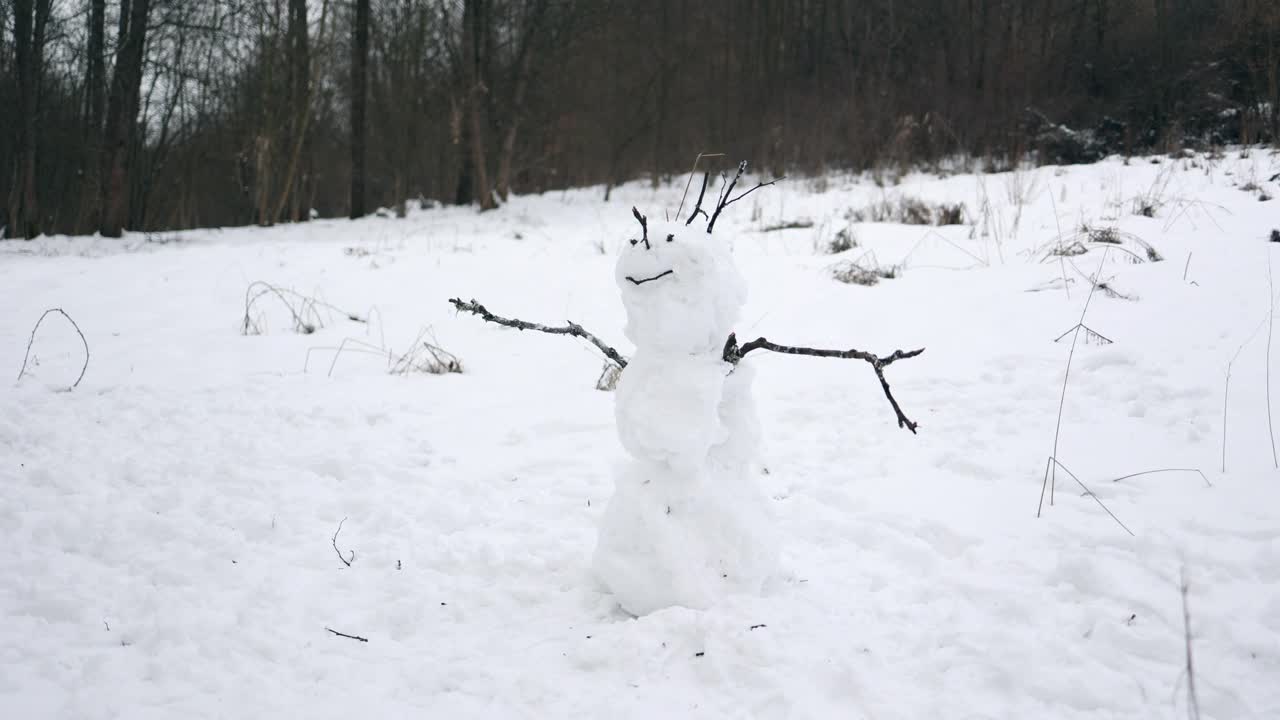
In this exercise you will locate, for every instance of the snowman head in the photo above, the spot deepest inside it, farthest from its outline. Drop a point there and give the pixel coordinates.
(680, 287)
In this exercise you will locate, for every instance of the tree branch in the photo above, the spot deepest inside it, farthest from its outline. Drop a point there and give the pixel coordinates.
(734, 352)
(571, 328)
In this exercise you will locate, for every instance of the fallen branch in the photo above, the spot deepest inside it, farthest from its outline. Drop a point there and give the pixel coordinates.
(733, 352)
(571, 328)
(31, 341)
(353, 637)
(344, 560)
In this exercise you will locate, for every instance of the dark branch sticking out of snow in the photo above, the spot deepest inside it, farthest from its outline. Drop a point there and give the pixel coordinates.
(344, 560)
(571, 328)
(650, 279)
(353, 637)
(733, 352)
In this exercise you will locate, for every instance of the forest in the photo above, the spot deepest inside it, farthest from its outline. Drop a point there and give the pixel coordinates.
(153, 115)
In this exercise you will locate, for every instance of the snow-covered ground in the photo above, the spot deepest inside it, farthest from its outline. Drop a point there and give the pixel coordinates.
(167, 528)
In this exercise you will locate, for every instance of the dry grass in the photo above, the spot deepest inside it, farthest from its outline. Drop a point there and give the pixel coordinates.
(307, 314)
(843, 241)
(425, 355)
(908, 210)
(863, 271)
(1130, 246)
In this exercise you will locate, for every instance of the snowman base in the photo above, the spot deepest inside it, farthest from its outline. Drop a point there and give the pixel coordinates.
(667, 541)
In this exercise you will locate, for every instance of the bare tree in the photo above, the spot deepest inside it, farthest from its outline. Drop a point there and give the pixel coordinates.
(301, 93)
(472, 100)
(96, 102)
(535, 15)
(29, 24)
(359, 101)
(122, 113)
(474, 30)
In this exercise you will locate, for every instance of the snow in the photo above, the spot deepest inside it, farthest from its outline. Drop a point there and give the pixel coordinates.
(168, 526)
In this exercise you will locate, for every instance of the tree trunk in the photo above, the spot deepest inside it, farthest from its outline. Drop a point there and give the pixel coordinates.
(524, 68)
(95, 88)
(359, 94)
(472, 61)
(122, 116)
(301, 87)
(23, 210)
(657, 151)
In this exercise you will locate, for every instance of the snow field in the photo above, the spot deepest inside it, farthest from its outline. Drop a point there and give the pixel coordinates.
(168, 525)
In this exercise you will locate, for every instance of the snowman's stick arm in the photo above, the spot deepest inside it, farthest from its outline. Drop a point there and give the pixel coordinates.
(571, 328)
(733, 352)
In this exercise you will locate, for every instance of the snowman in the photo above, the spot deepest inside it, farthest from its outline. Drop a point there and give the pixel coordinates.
(688, 522)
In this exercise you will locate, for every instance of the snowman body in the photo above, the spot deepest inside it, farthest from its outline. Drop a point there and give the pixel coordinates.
(687, 522)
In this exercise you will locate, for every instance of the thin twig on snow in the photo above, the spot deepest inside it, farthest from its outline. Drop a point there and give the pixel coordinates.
(344, 560)
(342, 634)
(1165, 470)
(31, 341)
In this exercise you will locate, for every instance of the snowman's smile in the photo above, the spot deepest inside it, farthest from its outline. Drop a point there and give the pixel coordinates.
(650, 279)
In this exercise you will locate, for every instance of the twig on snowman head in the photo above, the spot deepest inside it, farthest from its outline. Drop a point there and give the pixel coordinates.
(644, 225)
(697, 208)
(725, 201)
(733, 352)
(705, 177)
(571, 328)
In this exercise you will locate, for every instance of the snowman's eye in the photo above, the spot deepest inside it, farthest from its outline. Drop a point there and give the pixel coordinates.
(671, 237)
